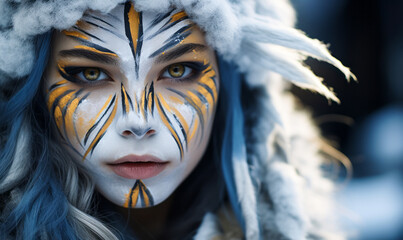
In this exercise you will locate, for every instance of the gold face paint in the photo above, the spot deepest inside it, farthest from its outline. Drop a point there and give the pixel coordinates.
(130, 91)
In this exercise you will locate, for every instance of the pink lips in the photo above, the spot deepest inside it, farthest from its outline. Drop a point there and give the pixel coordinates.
(138, 167)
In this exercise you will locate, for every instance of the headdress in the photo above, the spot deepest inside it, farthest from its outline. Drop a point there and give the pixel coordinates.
(260, 38)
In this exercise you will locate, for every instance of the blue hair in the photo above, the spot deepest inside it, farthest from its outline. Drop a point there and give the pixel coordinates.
(233, 142)
(43, 206)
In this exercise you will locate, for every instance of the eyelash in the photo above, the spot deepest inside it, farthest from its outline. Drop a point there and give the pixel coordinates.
(76, 75)
(195, 69)
(72, 73)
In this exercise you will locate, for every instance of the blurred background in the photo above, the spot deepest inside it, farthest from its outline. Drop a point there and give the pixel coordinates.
(367, 36)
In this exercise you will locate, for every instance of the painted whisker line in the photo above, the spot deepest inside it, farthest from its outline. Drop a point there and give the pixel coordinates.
(194, 105)
(99, 120)
(134, 32)
(174, 40)
(86, 33)
(169, 125)
(103, 129)
(139, 190)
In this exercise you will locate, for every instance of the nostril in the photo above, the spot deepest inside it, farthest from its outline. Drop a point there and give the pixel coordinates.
(127, 133)
(138, 132)
(150, 132)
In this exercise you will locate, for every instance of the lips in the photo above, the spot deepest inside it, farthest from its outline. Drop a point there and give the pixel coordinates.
(138, 167)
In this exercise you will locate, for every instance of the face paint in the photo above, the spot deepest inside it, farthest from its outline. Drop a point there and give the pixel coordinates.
(133, 97)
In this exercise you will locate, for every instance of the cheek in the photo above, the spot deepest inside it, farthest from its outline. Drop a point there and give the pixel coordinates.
(188, 110)
(81, 116)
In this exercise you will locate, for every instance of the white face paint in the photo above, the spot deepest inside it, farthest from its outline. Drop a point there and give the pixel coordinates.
(133, 96)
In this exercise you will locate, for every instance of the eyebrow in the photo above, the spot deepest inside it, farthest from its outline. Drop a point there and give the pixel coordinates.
(91, 55)
(179, 51)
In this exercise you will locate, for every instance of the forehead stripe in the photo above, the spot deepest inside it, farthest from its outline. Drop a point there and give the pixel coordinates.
(174, 40)
(99, 50)
(74, 34)
(170, 23)
(101, 20)
(107, 30)
(159, 19)
(134, 32)
(87, 33)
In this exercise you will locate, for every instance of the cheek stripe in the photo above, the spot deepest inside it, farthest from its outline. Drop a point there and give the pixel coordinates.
(150, 98)
(74, 114)
(182, 129)
(102, 131)
(58, 84)
(92, 128)
(195, 126)
(181, 119)
(142, 100)
(209, 90)
(126, 101)
(202, 99)
(169, 125)
(108, 101)
(194, 105)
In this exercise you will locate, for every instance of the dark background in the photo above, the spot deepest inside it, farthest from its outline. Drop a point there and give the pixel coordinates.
(367, 37)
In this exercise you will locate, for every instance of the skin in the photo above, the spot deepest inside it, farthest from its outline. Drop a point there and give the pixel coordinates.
(129, 83)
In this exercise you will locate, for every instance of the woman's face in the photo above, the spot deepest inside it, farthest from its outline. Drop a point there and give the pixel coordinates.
(133, 96)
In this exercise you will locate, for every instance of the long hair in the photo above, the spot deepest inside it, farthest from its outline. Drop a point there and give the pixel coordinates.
(46, 194)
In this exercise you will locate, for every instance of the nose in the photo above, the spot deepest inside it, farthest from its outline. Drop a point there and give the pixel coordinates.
(138, 132)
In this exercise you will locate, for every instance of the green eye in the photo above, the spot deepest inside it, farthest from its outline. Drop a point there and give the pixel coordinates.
(91, 74)
(176, 70)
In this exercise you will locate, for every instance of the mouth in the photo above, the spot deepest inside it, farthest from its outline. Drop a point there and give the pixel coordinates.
(138, 167)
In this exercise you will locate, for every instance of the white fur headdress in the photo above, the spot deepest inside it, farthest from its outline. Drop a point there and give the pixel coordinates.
(258, 35)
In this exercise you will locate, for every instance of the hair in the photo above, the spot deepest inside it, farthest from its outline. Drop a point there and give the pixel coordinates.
(45, 194)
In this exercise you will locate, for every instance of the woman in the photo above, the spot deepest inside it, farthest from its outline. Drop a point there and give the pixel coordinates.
(158, 120)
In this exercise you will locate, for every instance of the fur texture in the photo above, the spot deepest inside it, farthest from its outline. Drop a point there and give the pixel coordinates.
(236, 29)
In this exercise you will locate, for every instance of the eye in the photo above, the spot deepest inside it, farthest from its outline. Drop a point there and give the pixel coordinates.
(84, 74)
(91, 74)
(182, 71)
